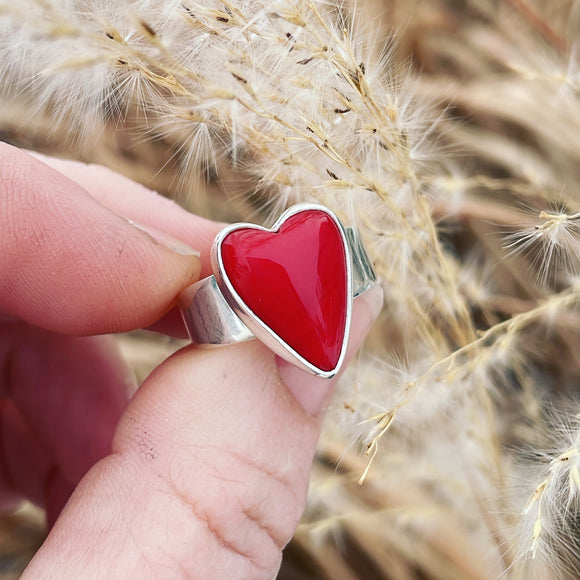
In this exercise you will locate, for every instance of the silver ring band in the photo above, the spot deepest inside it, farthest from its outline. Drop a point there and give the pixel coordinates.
(212, 313)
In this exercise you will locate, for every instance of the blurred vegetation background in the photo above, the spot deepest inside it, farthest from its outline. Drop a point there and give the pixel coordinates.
(472, 423)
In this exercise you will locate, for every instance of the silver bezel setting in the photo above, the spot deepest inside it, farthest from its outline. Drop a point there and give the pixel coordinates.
(262, 331)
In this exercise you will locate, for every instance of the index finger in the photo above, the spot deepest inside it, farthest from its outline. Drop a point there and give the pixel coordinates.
(72, 265)
(140, 204)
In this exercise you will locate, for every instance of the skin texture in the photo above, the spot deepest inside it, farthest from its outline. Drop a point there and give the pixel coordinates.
(204, 472)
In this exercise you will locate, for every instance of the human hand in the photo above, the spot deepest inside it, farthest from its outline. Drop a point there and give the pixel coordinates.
(203, 474)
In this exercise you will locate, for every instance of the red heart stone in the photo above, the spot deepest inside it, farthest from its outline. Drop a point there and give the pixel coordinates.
(295, 281)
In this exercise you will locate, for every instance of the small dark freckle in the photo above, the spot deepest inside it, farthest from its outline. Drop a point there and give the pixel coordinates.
(332, 174)
(122, 62)
(109, 35)
(222, 19)
(146, 449)
(342, 111)
(305, 60)
(310, 129)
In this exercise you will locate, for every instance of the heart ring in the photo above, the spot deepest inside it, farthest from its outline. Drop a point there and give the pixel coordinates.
(290, 286)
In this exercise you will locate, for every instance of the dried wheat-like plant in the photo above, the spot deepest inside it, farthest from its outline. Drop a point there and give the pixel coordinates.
(275, 102)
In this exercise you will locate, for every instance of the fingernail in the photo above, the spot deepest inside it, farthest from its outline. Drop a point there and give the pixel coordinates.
(373, 302)
(166, 240)
(314, 393)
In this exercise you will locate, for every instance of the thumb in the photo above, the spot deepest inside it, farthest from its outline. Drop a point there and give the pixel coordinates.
(209, 473)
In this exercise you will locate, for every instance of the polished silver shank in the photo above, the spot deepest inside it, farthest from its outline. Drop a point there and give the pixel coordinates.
(363, 275)
(214, 319)
(208, 318)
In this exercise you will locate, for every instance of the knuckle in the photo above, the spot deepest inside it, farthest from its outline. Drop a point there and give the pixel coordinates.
(249, 509)
(271, 498)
